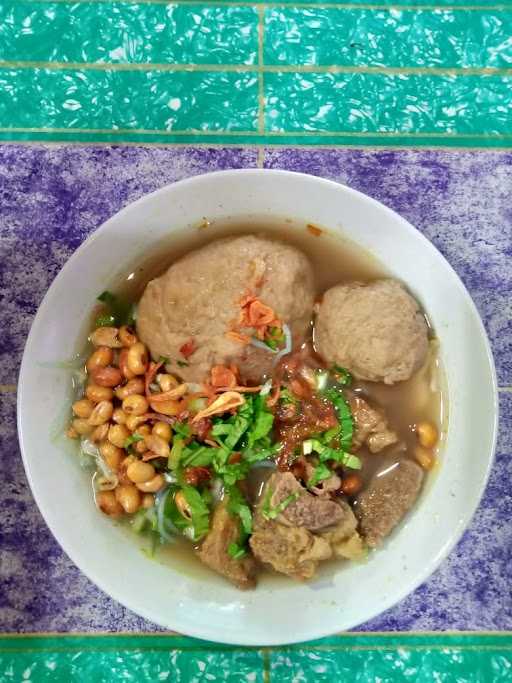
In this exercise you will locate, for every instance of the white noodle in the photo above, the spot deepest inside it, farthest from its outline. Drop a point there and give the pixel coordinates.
(261, 345)
(266, 388)
(278, 353)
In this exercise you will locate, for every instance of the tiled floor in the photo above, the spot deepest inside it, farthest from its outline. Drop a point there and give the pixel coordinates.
(52, 198)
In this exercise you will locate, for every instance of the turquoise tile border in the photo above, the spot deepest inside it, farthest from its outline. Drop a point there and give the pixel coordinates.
(121, 32)
(235, 139)
(348, 37)
(355, 657)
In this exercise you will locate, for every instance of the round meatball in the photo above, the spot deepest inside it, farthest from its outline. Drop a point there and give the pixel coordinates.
(376, 331)
(197, 302)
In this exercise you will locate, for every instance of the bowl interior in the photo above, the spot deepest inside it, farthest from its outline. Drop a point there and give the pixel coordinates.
(277, 612)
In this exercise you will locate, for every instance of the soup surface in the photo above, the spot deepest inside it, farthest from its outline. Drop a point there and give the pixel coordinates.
(268, 456)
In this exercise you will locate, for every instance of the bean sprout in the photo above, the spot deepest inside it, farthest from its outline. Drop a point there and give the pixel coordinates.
(266, 388)
(161, 499)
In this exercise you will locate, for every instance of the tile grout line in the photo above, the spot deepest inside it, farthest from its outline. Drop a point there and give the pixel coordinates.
(254, 133)
(266, 665)
(302, 5)
(261, 80)
(8, 388)
(59, 142)
(260, 159)
(260, 68)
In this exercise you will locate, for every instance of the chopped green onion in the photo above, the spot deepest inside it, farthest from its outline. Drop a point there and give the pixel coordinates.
(164, 360)
(275, 338)
(269, 512)
(181, 429)
(286, 396)
(105, 321)
(133, 438)
(198, 511)
(196, 455)
(342, 375)
(236, 551)
(330, 434)
(182, 363)
(320, 473)
(326, 453)
(345, 418)
(352, 461)
(262, 426)
(120, 311)
(175, 455)
(237, 505)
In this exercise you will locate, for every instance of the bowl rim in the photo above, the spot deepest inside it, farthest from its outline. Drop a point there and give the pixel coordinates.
(314, 633)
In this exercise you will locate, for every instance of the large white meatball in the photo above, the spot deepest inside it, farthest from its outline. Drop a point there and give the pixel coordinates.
(198, 299)
(375, 330)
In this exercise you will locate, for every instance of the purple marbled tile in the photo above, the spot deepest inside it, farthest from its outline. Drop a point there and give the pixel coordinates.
(50, 201)
(41, 590)
(52, 198)
(459, 200)
(471, 589)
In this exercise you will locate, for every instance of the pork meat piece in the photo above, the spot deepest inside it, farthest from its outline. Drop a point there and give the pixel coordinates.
(225, 529)
(371, 426)
(294, 551)
(387, 499)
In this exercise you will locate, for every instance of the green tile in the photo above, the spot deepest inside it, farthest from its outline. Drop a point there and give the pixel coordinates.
(128, 32)
(353, 37)
(381, 3)
(393, 665)
(359, 658)
(141, 665)
(381, 103)
(157, 100)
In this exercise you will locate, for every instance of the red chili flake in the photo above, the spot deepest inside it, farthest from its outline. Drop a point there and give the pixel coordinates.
(196, 475)
(314, 230)
(188, 348)
(202, 428)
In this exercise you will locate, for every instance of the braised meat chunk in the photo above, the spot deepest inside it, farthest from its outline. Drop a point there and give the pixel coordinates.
(294, 551)
(224, 530)
(295, 530)
(371, 426)
(387, 499)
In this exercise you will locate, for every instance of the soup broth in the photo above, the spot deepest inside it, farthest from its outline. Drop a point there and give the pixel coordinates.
(335, 260)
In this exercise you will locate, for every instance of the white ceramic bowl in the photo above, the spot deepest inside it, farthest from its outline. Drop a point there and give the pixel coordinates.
(287, 612)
